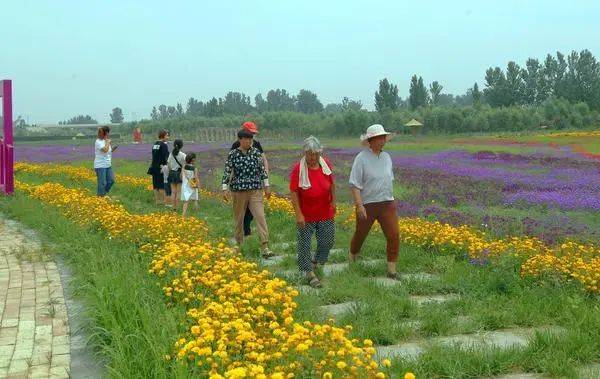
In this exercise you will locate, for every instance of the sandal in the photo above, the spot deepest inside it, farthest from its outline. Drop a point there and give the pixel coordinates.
(267, 253)
(315, 282)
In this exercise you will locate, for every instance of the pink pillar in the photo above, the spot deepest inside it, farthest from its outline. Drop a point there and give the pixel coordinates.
(7, 144)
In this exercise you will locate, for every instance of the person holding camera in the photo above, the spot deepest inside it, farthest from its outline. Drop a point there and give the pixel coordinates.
(103, 161)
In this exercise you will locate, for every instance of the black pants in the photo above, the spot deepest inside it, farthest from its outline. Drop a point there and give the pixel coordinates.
(247, 220)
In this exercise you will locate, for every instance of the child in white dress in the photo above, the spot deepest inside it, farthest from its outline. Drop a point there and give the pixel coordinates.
(190, 179)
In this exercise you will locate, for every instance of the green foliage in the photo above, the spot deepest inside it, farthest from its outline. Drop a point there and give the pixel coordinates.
(555, 113)
(435, 89)
(386, 98)
(81, 119)
(116, 116)
(308, 102)
(575, 78)
(418, 96)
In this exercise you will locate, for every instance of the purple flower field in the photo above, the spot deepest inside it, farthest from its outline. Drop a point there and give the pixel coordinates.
(451, 186)
(64, 153)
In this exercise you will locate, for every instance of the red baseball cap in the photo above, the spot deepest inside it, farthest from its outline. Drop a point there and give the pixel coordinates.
(250, 126)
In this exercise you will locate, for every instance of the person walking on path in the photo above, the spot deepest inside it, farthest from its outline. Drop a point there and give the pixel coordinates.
(245, 176)
(175, 164)
(371, 182)
(160, 154)
(313, 197)
(103, 161)
(252, 128)
(190, 183)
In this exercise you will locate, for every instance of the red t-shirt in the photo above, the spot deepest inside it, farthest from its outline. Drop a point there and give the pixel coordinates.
(315, 202)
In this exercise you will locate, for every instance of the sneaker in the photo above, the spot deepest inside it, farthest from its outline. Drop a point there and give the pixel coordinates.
(393, 276)
(266, 253)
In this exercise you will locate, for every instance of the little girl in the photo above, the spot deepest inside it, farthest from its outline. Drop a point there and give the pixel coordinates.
(190, 183)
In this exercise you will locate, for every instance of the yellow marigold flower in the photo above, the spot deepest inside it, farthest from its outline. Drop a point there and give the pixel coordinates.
(386, 363)
(341, 365)
(409, 375)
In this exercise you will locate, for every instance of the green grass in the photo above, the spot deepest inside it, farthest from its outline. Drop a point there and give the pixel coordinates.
(131, 326)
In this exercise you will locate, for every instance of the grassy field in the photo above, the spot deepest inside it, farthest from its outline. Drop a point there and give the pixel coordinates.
(133, 326)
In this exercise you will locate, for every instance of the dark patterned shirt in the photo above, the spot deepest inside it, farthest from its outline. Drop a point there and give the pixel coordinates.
(245, 172)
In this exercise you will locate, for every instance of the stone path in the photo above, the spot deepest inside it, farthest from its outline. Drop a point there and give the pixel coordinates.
(34, 332)
(335, 310)
(36, 318)
(503, 339)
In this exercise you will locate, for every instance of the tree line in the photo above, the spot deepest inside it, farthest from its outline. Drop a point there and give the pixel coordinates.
(237, 103)
(116, 117)
(560, 91)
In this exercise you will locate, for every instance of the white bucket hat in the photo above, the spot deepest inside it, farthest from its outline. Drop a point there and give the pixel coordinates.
(374, 131)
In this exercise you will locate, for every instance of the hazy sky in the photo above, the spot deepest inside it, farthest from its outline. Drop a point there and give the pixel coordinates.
(86, 57)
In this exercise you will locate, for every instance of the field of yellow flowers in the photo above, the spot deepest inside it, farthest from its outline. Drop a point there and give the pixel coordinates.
(241, 319)
(569, 261)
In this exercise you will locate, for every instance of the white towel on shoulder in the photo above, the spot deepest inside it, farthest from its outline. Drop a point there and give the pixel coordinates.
(304, 180)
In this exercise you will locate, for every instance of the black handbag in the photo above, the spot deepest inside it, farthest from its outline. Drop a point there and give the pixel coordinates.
(180, 167)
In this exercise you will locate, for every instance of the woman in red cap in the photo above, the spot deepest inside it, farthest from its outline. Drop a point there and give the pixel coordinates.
(252, 128)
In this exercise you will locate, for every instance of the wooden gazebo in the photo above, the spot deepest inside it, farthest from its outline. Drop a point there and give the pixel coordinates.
(414, 126)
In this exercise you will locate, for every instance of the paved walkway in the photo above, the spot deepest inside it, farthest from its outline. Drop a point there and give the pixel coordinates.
(34, 328)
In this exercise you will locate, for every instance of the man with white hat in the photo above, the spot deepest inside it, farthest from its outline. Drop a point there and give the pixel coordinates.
(371, 182)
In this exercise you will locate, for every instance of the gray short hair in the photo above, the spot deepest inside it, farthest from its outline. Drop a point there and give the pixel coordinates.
(312, 144)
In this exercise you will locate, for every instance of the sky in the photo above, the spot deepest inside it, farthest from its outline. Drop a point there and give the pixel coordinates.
(86, 57)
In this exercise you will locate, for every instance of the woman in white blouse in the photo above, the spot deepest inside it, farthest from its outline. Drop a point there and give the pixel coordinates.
(372, 185)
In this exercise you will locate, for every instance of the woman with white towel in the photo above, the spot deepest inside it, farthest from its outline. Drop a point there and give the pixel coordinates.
(313, 196)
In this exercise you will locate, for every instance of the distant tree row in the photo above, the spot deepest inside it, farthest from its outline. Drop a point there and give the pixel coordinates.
(116, 117)
(575, 78)
(81, 119)
(237, 103)
(554, 113)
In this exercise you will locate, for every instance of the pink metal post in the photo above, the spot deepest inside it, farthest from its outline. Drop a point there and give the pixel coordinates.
(6, 143)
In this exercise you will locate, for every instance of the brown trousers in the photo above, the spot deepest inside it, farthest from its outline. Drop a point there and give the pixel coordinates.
(386, 214)
(252, 200)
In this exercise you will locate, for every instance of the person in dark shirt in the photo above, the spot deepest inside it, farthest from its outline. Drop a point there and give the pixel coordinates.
(244, 180)
(252, 128)
(160, 154)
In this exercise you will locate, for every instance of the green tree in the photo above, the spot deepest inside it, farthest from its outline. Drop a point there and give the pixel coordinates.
(178, 110)
(308, 102)
(495, 87)
(237, 103)
(418, 96)
(81, 119)
(280, 100)
(531, 82)
(351, 105)
(116, 116)
(386, 98)
(214, 107)
(162, 112)
(194, 107)
(514, 84)
(154, 114)
(171, 112)
(259, 103)
(476, 94)
(435, 89)
(333, 108)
